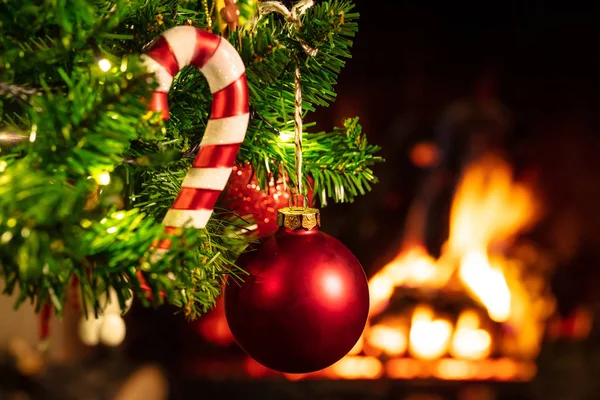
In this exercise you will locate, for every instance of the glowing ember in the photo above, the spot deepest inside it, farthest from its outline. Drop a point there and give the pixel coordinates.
(356, 367)
(454, 369)
(503, 369)
(391, 340)
(429, 338)
(470, 342)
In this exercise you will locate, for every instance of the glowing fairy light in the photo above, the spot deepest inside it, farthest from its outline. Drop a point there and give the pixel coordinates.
(33, 134)
(6, 237)
(104, 65)
(103, 179)
(286, 136)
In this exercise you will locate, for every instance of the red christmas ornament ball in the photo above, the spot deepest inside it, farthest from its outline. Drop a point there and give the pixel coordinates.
(304, 303)
(213, 327)
(244, 196)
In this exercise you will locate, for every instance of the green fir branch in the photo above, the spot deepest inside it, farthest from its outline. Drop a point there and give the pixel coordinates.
(58, 227)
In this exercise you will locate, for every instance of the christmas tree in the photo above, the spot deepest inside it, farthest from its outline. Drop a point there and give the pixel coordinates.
(87, 172)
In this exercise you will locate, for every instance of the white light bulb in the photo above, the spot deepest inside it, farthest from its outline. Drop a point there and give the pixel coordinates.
(33, 134)
(103, 179)
(286, 136)
(104, 65)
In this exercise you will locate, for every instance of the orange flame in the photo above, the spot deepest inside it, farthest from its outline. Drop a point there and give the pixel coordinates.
(488, 210)
(488, 207)
(429, 338)
(390, 339)
(415, 268)
(469, 341)
(487, 283)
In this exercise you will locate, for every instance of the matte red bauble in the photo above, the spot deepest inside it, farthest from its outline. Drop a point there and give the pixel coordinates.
(305, 302)
(244, 196)
(213, 327)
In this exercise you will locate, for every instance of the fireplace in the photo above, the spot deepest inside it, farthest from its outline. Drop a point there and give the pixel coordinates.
(475, 313)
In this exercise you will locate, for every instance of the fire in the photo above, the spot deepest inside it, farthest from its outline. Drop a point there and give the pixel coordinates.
(469, 341)
(391, 340)
(488, 210)
(487, 284)
(356, 367)
(415, 268)
(502, 369)
(429, 338)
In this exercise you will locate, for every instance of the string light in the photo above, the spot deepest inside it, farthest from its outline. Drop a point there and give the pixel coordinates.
(33, 134)
(286, 136)
(103, 179)
(6, 237)
(124, 65)
(104, 65)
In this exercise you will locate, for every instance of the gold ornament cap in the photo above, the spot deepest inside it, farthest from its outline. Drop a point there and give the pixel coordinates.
(298, 217)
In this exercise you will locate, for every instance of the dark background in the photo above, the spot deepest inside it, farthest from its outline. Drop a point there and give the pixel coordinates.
(414, 59)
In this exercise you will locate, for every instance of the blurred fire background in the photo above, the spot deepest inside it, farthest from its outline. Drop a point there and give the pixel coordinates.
(437, 85)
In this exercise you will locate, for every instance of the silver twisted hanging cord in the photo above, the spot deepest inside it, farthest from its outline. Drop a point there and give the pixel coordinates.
(292, 16)
(298, 127)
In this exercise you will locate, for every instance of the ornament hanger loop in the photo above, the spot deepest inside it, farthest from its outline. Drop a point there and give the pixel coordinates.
(292, 16)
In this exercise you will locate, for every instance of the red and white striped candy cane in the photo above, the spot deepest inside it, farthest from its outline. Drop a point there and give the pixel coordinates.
(224, 70)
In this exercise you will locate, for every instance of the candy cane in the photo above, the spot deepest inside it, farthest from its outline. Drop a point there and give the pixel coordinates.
(225, 72)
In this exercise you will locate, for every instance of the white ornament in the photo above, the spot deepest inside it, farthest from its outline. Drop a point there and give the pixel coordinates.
(112, 330)
(89, 330)
(109, 327)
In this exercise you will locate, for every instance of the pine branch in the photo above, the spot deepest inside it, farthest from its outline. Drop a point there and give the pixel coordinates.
(339, 162)
(90, 126)
(82, 122)
(45, 247)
